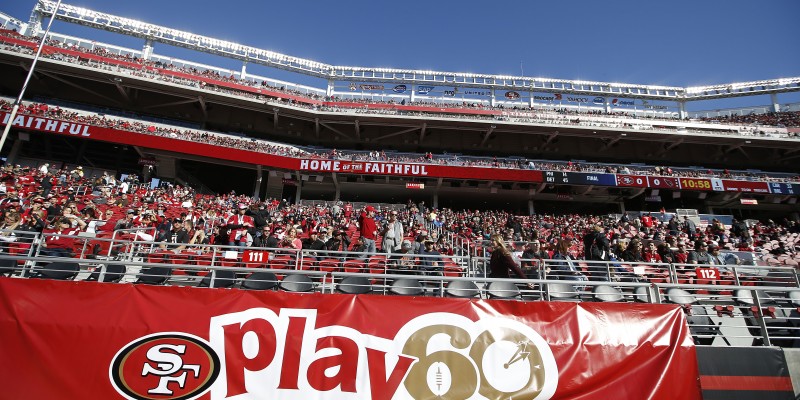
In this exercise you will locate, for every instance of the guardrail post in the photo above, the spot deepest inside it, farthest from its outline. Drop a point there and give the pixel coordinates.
(102, 276)
(213, 277)
(735, 276)
(654, 293)
(759, 315)
(673, 273)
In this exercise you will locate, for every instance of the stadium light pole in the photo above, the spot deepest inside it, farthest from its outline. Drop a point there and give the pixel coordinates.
(27, 79)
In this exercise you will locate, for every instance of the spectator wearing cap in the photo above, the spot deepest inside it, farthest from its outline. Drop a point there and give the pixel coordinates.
(178, 237)
(402, 262)
(368, 228)
(238, 226)
(430, 263)
(127, 221)
(339, 242)
(58, 241)
(313, 242)
(70, 194)
(419, 242)
(392, 233)
(37, 204)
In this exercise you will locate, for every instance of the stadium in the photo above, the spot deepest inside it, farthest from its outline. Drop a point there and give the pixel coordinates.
(189, 231)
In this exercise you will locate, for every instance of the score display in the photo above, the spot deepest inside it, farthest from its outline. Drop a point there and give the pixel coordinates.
(555, 177)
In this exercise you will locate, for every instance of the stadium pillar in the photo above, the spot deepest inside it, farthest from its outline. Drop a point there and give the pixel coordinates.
(244, 70)
(776, 107)
(413, 90)
(12, 155)
(435, 201)
(259, 176)
(608, 105)
(492, 100)
(682, 109)
(531, 210)
(329, 90)
(299, 188)
(336, 185)
(147, 50)
(34, 24)
(622, 207)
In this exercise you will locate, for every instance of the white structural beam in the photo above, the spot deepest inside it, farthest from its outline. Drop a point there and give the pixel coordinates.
(160, 34)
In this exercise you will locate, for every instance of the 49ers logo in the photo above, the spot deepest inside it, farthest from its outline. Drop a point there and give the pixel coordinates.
(172, 365)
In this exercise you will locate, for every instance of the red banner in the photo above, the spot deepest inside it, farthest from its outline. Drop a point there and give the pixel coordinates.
(663, 182)
(419, 170)
(695, 184)
(41, 124)
(101, 341)
(632, 180)
(745, 186)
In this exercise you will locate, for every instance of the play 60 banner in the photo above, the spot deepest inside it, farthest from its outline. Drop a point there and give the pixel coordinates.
(87, 340)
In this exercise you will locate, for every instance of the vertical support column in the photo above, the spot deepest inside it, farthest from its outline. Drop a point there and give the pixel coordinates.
(622, 207)
(147, 50)
(34, 24)
(12, 155)
(329, 89)
(435, 200)
(412, 95)
(259, 176)
(81, 152)
(531, 99)
(682, 109)
(244, 70)
(776, 107)
(299, 190)
(492, 100)
(338, 193)
(607, 104)
(531, 209)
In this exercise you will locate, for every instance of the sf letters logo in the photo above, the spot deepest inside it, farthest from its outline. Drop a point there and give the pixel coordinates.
(169, 363)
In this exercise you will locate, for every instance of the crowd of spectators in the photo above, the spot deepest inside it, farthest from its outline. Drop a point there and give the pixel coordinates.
(159, 70)
(268, 147)
(63, 201)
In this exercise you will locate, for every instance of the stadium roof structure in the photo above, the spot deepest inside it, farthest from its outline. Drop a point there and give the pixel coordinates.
(160, 34)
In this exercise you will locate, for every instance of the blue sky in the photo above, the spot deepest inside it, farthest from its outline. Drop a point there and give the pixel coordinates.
(676, 43)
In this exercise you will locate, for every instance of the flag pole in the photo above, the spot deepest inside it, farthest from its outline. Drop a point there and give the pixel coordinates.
(18, 102)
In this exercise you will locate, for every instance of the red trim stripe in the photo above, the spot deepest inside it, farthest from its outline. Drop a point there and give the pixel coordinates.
(773, 383)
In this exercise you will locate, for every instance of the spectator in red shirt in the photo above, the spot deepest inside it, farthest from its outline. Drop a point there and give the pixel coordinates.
(239, 225)
(58, 241)
(368, 228)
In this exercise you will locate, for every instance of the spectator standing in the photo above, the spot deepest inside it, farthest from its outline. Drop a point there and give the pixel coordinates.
(368, 228)
(501, 263)
(238, 226)
(392, 234)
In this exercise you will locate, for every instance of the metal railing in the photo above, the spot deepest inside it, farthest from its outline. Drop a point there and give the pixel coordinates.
(745, 308)
(725, 305)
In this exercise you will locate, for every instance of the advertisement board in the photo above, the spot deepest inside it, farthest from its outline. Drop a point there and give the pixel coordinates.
(88, 340)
